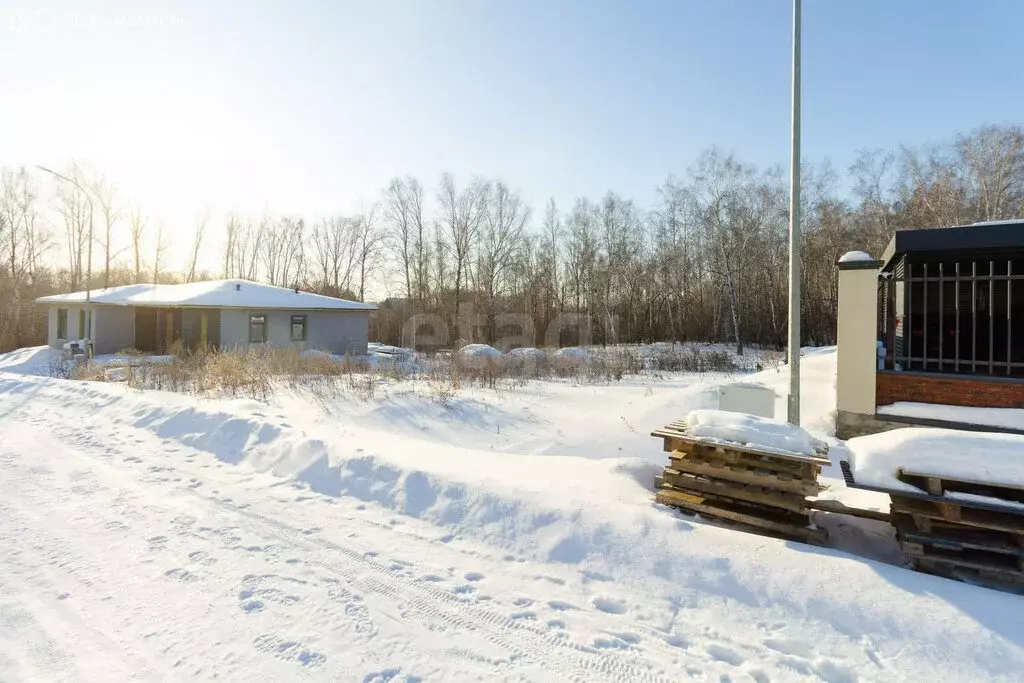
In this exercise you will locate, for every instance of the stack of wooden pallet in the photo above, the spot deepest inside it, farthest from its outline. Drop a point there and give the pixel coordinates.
(756, 487)
(962, 528)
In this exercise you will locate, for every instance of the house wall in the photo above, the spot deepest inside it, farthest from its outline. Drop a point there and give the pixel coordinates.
(338, 331)
(234, 328)
(74, 311)
(113, 328)
(334, 331)
(952, 390)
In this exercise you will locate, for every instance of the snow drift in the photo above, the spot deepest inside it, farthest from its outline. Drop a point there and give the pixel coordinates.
(537, 480)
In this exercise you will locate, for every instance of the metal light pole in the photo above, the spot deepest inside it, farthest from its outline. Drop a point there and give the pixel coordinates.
(88, 264)
(793, 412)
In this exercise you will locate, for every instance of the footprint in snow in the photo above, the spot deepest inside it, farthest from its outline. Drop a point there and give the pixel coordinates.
(181, 575)
(473, 576)
(610, 643)
(382, 676)
(610, 605)
(561, 605)
(250, 606)
(525, 614)
(288, 650)
(202, 557)
(431, 578)
(157, 542)
(790, 647)
(724, 654)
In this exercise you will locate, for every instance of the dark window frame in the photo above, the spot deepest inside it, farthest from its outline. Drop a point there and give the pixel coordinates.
(62, 323)
(298, 319)
(82, 332)
(258, 321)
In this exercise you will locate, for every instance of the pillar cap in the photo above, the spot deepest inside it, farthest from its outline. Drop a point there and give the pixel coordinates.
(858, 260)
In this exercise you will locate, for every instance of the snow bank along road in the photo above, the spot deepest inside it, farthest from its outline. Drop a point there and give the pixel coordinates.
(157, 537)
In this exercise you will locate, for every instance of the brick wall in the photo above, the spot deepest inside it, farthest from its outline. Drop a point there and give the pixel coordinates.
(952, 390)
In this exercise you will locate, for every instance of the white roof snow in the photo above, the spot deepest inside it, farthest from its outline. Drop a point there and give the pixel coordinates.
(855, 257)
(1009, 221)
(214, 294)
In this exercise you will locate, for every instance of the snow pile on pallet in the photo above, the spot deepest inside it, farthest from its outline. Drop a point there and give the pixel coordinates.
(748, 430)
(977, 456)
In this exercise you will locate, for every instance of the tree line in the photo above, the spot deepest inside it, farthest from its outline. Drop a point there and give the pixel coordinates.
(706, 261)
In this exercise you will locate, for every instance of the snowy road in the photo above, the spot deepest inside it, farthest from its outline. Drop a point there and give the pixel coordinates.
(152, 536)
(152, 573)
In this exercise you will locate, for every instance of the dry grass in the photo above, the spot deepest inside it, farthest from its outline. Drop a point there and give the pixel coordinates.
(258, 374)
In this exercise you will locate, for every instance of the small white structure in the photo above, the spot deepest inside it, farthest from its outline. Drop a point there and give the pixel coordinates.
(753, 399)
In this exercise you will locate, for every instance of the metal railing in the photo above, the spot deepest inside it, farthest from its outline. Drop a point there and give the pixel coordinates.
(907, 345)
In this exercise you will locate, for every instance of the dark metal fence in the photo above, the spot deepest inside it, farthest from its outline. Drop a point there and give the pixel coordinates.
(952, 316)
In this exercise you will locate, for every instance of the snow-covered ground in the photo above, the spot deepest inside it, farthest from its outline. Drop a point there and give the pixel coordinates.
(502, 535)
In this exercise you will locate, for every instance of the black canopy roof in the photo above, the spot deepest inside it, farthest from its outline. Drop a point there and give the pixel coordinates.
(980, 237)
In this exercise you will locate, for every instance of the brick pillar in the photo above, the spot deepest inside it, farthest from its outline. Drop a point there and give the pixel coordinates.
(856, 355)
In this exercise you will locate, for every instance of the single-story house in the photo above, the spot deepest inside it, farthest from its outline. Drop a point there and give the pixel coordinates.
(933, 332)
(223, 314)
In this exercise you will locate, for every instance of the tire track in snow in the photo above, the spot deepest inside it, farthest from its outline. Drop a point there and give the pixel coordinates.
(431, 605)
(528, 641)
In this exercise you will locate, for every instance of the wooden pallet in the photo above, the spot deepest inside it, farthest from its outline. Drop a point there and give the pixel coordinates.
(743, 474)
(984, 577)
(675, 435)
(978, 541)
(981, 545)
(940, 528)
(718, 454)
(836, 507)
(963, 514)
(717, 509)
(1000, 567)
(760, 495)
(939, 485)
(798, 517)
(993, 506)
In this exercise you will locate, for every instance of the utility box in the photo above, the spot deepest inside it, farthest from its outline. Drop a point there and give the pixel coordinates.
(752, 399)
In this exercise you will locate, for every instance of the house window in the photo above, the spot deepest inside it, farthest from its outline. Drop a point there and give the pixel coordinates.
(62, 323)
(298, 328)
(257, 329)
(81, 325)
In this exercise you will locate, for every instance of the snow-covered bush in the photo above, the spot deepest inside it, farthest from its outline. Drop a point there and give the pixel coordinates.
(691, 359)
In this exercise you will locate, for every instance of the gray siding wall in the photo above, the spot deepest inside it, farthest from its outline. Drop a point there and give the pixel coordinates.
(334, 331)
(74, 311)
(114, 328)
(234, 328)
(51, 326)
(338, 331)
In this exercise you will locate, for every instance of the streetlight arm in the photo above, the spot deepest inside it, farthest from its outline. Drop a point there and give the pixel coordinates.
(88, 265)
(73, 182)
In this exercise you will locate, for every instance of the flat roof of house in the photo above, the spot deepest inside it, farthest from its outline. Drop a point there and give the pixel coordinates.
(211, 294)
(993, 235)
